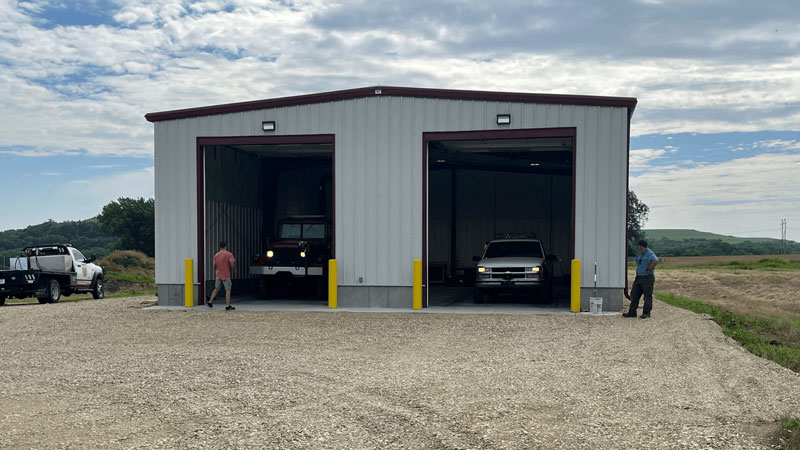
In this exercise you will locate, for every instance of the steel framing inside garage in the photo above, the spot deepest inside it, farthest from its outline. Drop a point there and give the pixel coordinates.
(522, 157)
(239, 217)
(380, 169)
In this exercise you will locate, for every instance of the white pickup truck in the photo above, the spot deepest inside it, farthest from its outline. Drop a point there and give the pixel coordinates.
(52, 271)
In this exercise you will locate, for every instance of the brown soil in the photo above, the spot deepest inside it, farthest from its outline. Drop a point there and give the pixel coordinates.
(672, 261)
(744, 291)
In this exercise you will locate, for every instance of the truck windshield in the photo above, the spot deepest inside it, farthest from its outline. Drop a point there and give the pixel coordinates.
(314, 231)
(514, 249)
(291, 231)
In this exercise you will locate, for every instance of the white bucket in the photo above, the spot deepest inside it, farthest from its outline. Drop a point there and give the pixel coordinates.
(595, 305)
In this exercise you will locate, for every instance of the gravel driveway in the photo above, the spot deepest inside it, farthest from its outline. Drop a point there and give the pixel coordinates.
(108, 373)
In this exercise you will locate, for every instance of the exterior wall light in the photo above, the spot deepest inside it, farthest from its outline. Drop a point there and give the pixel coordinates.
(268, 126)
(535, 164)
(504, 119)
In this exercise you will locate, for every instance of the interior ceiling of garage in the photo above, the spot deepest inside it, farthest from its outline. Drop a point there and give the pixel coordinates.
(536, 155)
(286, 150)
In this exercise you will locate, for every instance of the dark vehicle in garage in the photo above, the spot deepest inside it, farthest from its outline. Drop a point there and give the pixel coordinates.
(298, 257)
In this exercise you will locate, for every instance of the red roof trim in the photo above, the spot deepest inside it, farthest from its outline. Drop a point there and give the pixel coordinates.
(628, 102)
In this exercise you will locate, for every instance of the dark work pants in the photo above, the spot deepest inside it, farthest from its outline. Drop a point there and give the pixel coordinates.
(643, 284)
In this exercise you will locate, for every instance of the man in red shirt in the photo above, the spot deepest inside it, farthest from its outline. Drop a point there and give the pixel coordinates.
(224, 263)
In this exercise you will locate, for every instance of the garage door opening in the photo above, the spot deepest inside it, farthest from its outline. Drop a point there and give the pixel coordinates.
(483, 187)
(272, 202)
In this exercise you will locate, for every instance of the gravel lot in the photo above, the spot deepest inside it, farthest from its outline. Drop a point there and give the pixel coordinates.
(108, 373)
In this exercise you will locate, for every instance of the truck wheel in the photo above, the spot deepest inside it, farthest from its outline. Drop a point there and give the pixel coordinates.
(53, 291)
(2, 300)
(99, 290)
(477, 295)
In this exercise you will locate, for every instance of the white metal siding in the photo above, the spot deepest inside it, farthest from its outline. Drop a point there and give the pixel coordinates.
(378, 177)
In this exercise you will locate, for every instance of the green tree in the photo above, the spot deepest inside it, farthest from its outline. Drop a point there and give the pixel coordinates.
(637, 216)
(132, 222)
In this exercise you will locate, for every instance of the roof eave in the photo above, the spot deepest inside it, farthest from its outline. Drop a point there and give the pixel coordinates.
(374, 91)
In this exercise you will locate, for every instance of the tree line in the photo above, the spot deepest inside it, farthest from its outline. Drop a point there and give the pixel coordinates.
(125, 224)
(708, 247)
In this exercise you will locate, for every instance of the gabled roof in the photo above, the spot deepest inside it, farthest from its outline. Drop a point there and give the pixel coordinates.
(373, 91)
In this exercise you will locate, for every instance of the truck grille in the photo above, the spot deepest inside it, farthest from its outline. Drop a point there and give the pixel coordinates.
(506, 269)
(288, 257)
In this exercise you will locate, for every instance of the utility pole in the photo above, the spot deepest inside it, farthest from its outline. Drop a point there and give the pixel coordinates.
(783, 236)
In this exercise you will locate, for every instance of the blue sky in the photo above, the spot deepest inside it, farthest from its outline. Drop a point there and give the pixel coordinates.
(715, 139)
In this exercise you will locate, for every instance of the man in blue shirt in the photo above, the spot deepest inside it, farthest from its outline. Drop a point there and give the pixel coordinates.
(646, 261)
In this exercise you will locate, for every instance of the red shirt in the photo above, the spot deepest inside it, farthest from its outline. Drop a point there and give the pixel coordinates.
(222, 261)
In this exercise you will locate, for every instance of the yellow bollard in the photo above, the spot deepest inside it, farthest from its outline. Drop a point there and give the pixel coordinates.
(417, 290)
(575, 299)
(188, 292)
(333, 283)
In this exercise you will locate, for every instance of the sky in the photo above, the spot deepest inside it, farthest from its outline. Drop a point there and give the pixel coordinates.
(715, 139)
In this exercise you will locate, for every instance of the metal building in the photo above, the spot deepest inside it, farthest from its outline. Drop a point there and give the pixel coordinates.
(414, 174)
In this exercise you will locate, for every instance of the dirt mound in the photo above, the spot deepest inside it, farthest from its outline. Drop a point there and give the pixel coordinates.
(129, 261)
(129, 270)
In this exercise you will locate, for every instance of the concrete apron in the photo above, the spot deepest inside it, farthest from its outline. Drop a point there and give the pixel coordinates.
(319, 306)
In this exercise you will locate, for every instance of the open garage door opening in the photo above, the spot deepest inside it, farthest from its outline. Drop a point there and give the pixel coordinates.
(273, 204)
(500, 220)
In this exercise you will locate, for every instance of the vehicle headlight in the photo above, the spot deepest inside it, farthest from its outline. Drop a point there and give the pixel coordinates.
(2, 281)
(270, 253)
(481, 269)
(533, 269)
(302, 254)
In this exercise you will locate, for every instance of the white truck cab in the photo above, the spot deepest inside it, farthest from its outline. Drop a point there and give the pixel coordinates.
(53, 271)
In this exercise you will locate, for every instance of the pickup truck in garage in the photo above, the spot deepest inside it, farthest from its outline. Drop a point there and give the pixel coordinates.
(52, 271)
(513, 264)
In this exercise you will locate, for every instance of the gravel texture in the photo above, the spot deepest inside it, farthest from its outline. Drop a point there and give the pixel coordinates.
(111, 374)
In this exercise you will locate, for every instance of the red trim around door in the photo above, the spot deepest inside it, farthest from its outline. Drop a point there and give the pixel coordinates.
(252, 140)
(627, 190)
(484, 135)
(201, 214)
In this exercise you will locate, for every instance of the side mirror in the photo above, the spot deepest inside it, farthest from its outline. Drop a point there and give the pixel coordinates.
(476, 258)
(552, 258)
(92, 258)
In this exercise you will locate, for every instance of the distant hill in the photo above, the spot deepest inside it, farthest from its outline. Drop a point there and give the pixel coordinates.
(680, 235)
(85, 235)
(677, 242)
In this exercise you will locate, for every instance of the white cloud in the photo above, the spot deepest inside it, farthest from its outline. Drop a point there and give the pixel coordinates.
(70, 89)
(728, 197)
(639, 158)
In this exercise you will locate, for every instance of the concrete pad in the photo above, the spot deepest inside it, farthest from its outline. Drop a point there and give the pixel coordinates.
(318, 306)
